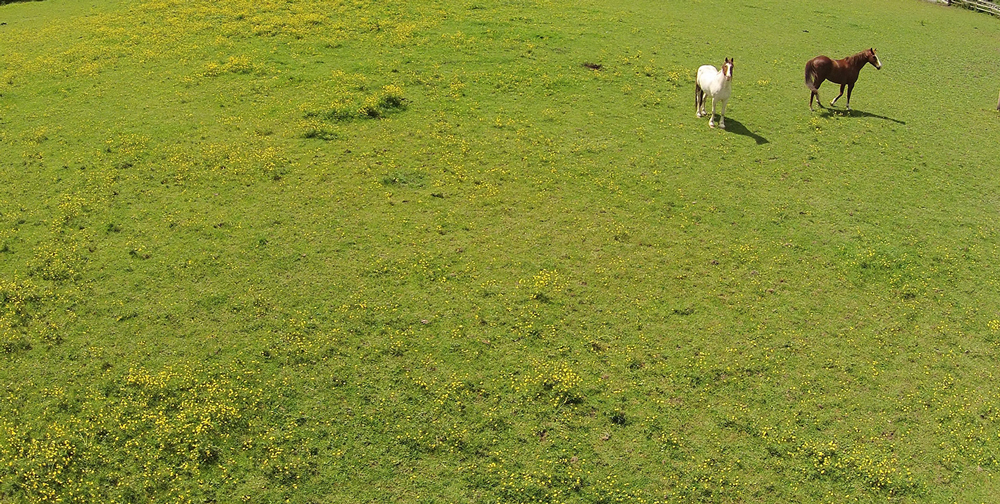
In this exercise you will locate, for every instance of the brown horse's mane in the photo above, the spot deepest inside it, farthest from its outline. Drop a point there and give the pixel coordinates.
(861, 57)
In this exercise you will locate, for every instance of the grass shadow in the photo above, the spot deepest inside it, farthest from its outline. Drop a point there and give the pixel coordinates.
(734, 126)
(831, 112)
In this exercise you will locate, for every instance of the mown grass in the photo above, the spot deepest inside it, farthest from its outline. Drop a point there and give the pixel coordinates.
(430, 252)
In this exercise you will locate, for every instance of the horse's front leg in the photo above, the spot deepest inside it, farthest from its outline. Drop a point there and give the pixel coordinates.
(841, 94)
(711, 118)
(722, 114)
(850, 87)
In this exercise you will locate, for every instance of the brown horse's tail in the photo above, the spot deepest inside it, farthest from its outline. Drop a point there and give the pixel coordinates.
(811, 75)
(698, 94)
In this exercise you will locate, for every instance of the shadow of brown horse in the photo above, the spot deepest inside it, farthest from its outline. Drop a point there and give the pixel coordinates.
(828, 112)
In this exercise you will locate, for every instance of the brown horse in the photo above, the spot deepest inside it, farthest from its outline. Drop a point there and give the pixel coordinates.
(844, 72)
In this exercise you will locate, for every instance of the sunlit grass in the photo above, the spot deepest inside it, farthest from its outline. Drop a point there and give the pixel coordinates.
(484, 252)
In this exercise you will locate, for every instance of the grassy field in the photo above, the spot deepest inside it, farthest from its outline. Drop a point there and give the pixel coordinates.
(483, 251)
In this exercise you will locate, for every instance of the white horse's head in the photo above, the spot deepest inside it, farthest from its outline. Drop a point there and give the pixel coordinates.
(727, 69)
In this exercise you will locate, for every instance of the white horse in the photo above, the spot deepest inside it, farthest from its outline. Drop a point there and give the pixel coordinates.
(716, 84)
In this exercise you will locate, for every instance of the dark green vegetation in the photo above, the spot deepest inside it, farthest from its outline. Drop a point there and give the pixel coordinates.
(352, 251)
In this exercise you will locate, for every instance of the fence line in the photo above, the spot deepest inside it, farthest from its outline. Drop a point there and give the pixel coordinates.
(979, 5)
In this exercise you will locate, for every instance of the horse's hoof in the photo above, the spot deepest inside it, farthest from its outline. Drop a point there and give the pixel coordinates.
(711, 125)
(722, 126)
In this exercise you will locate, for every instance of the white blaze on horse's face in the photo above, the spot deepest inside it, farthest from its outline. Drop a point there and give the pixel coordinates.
(727, 69)
(876, 63)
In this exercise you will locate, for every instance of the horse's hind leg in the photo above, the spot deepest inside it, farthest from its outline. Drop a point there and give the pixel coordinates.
(699, 101)
(813, 85)
(819, 101)
(841, 94)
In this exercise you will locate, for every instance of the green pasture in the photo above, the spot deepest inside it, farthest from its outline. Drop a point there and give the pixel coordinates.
(435, 251)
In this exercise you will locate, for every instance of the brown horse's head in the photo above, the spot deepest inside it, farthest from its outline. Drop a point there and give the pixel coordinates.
(727, 68)
(873, 58)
